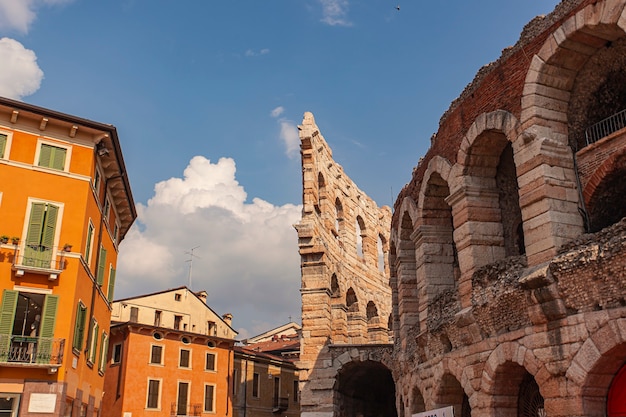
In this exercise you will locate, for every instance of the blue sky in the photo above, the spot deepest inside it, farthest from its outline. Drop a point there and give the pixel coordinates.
(206, 97)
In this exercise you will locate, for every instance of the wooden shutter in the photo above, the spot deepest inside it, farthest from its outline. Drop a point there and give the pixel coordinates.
(46, 329)
(79, 326)
(111, 284)
(45, 155)
(101, 262)
(7, 315)
(35, 224)
(104, 345)
(58, 158)
(89, 243)
(3, 144)
(49, 226)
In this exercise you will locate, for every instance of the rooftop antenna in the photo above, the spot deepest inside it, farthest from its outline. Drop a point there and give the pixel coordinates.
(190, 260)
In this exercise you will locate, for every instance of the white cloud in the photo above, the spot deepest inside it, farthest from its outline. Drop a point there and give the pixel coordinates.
(277, 111)
(334, 12)
(247, 255)
(19, 14)
(288, 133)
(19, 73)
(251, 52)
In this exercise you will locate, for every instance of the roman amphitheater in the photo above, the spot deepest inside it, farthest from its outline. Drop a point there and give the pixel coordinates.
(497, 285)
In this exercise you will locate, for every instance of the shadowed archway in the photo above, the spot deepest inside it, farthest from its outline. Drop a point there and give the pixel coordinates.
(365, 389)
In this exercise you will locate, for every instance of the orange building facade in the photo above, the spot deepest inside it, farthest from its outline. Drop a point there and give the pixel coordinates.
(170, 355)
(65, 205)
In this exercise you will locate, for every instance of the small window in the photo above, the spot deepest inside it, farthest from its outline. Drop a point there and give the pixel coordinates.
(235, 382)
(185, 340)
(154, 388)
(209, 364)
(103, 352)
(116, 233)
(52, 156)
(157, 336)
(209, 398)
(177, 320)
(93, 341)
(156, 355)
(89, 242)
(185, 356)
(157, 318)
(3, 144)
(211, 328)
(177, 297)
(79, 327)
(256, 380)
(96, 182)
(116, 355)
(134, 314)
(107, 208)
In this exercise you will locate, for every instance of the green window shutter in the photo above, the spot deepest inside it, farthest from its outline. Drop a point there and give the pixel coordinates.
(45, 155)
(7, 315)
(93, 343)
(58, 158)
(35, 224)
(3, 144)
(88, 243)
(111, 284)
(46, 329)
(79, 327)
(101, 262)
(104, 345)
(40, 235)
(47, 237)
(52, 156)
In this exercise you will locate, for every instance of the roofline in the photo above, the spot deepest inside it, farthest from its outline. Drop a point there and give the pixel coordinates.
(123, 324)
(85, 122)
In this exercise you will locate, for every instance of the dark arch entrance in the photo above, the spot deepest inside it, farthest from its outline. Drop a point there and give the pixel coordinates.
(616, 406)
(365, 389)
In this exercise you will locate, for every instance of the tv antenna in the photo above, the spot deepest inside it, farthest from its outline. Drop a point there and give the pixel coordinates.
(190, 260)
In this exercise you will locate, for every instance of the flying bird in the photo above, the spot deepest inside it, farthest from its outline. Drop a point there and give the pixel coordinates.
(398, 7)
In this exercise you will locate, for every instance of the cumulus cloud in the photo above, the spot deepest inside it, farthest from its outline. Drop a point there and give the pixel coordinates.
(334, 12)
(246, 256)
(288, 133)
(19, 73)
(18, 15)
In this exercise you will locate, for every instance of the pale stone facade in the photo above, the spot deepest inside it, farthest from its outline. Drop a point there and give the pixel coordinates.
(346, 298)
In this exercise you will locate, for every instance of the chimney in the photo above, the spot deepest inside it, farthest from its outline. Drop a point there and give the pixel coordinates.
(202, 295)
(228, 318)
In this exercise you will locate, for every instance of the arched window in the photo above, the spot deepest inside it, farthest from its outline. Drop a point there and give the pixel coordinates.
(371, 310)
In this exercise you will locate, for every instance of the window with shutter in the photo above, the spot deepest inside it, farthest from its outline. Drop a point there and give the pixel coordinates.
(89, 242)
(209, 398)
(7, 315)
(93, 343)
(3, 144)
(210, 362)
(101, 262)
(79, 326)
(46, 328)
(40, 235)
(111, 283)
(52, 156)
(104, 345)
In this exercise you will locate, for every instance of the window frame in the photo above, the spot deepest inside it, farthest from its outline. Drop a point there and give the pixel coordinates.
(68, 154)
(116, 354)
(91, 231)
(180, 358)
(93, 341)
(79, 327)
(60, 207)
(161, 354)
(204, 402)
(104, 345)
(256, 385)
(159, 381)
(6, 150)
(206, 361)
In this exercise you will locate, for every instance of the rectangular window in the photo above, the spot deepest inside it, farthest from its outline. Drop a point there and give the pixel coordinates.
(211, 328)
(102, 259)
(52, 156)
(185, 356)
(89, 242)
(107, 208)
(116, 232)
(134, 314)
(177, 297)
(3, 144)
(177, 320)
(111, 283)
(157, 318)
(209, 364)
(235, 382)
(116, 356)
(209, 398)
(183, 397)
(79, 327)
(256, 380)
(156, 355)
(154, 388)
(296, 391)
(93, 343)
(40, 236)
(96, 182)
(104, 344)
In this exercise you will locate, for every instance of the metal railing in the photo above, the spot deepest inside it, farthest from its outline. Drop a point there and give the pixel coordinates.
(25, 350)
(176, 410)
(605, 127)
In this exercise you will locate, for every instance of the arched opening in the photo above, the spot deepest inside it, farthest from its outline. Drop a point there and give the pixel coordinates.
(604, 390)
(516, 392)
(321, 192)
(360, 231)
(450, 393)
(616, 401)
(606, 204)
(334, 286)
(408, 305)
(364, 389)
(371, 311)
(417, 401)
(380, 248)
(490, 161)
(339, 220)
(351, 300)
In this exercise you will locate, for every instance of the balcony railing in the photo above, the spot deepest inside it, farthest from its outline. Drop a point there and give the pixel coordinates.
(39, 259)
(280, 404)
(605, 127)
(176, 410)
(31, 351)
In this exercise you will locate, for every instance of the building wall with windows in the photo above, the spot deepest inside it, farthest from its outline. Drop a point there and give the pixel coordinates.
(159, 367)
(65, 204)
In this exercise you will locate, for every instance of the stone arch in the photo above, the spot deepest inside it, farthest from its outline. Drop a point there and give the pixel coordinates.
(361, 235)
(436, 254)
(554, 105)
(449, 392)
(335, 291)
(382, 247)
(356, 319)
(418, 404)
(604, 192)
(485, 196)
(321, 192)
(352, 301)
(371, 311)
(355, 384)
(405, 271)
(596, 364)
(339, 225)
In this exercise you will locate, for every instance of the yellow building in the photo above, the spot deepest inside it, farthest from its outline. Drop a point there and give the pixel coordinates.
(171, 355)
(65, 204)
